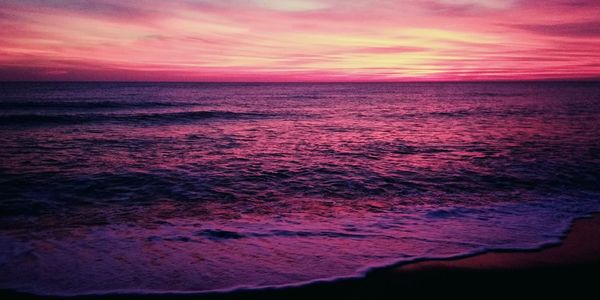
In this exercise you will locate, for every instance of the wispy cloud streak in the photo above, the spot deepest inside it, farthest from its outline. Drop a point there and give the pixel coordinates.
(299, 40)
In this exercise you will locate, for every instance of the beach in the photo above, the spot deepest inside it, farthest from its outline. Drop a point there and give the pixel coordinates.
(570, 267)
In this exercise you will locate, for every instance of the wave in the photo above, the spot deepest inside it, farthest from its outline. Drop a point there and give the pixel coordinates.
(465, 113)
(493, 95)
(70, 119)
(278, 249)
(29, 105)
(218, 234)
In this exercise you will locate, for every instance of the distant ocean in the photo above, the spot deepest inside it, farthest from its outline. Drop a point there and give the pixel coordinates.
(191, 187)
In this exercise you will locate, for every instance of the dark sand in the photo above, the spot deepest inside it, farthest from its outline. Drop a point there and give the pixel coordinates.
(570, 269)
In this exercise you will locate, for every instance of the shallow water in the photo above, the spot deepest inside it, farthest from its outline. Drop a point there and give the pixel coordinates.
(150, 187)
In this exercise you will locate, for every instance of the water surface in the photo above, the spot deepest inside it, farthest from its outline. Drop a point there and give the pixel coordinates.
(153, 187)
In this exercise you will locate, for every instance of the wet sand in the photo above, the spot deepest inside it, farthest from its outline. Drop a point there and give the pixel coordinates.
(581, 246)
(571, 268)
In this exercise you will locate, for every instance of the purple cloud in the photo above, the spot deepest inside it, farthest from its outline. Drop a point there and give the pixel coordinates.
(579, 29)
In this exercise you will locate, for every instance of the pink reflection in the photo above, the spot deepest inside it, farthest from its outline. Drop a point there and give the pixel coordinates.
(200, 187)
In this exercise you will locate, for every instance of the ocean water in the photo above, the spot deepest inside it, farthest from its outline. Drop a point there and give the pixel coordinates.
(188, 187)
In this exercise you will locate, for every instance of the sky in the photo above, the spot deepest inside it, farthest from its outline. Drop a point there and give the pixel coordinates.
(299, 40)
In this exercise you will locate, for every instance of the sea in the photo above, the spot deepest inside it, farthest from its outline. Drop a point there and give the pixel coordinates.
(197, 187)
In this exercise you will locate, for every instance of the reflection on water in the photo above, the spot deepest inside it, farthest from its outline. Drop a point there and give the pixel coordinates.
(194, 187)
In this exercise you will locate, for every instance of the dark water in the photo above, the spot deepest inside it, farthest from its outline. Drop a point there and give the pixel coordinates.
(192, 187)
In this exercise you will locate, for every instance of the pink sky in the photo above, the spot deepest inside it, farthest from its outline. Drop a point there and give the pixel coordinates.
(299, 40)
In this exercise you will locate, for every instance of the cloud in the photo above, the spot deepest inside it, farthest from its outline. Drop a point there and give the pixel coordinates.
(569, 4)
(388, 50)
(292, 5)
(104, 9)
(274, 5)
(491, 4)
(295, 39)
(589, 29)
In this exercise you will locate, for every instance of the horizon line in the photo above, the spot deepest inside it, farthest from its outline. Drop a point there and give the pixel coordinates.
(582, 80)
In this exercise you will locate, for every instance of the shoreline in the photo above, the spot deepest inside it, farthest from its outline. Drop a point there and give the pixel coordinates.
(581, 245)
(572, 266)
